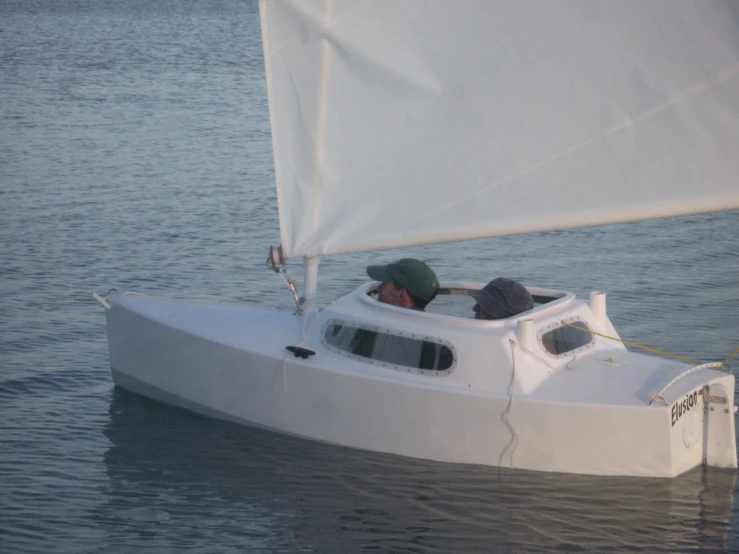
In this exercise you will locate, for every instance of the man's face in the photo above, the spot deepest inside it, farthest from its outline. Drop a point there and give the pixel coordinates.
(390, 293)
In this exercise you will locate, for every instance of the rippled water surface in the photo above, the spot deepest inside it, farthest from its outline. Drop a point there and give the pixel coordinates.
(135, 153)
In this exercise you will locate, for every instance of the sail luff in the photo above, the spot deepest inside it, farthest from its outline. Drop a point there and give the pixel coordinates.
(267, 39)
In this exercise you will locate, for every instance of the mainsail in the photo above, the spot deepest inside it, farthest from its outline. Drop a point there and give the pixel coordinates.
(399, 123)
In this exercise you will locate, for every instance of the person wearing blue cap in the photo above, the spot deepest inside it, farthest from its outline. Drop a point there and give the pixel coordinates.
(501, 298)
(407, 283)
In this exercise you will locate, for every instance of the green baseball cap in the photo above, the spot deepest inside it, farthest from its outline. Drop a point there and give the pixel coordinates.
(411, 274)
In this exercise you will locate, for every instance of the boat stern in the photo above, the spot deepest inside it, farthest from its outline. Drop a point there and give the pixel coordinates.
(702, 426)
(697, 407)
(643, 417)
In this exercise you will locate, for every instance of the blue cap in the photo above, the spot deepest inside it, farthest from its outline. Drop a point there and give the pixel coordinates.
(503, 298)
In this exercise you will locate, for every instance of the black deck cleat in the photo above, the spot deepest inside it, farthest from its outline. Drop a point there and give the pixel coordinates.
(300, 352)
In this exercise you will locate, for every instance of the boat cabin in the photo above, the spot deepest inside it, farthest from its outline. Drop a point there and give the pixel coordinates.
(446, 341)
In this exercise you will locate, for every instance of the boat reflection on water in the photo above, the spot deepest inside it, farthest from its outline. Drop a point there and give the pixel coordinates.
(201, 481)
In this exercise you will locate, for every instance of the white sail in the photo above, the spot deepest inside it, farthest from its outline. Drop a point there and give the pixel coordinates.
(405, 122)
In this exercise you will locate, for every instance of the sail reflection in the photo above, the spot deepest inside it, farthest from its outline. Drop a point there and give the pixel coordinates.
(249, 488)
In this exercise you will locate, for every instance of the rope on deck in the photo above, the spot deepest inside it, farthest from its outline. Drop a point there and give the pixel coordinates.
(725, 363)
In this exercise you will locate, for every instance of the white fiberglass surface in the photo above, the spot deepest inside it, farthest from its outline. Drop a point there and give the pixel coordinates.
(236, 325)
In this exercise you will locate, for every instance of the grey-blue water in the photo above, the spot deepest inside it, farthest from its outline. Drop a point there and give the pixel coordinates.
(135, 153)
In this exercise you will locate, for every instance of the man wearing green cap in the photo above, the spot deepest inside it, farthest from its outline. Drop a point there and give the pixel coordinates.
(407, 283)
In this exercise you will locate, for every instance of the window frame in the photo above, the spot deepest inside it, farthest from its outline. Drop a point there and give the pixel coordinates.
(392, 332)
(575, 320)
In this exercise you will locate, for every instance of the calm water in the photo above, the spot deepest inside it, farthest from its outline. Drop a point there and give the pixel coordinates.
(135, 153)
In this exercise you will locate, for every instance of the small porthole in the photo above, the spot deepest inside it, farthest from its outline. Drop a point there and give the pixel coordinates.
(565, 338)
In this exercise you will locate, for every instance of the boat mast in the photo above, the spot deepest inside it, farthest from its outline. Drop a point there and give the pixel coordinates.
(311, 264)
(311, 282)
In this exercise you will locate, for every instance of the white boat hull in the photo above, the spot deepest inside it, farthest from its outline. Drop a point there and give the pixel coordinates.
(504, 406)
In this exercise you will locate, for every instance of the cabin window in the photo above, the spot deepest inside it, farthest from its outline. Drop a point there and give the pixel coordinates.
(563, 339)
(398, 350)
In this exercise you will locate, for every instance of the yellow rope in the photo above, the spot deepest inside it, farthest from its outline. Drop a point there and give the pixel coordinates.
(635, 345)
(734, 353)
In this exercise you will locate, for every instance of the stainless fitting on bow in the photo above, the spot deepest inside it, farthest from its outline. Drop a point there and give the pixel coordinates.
(276, 262)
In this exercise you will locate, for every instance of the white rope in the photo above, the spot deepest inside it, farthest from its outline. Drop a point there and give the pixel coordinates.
(284, 374)
(300, 344)
(534, 354)
(567, 365)
(504, 415)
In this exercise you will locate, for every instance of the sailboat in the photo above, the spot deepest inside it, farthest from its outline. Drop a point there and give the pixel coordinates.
(398, 124)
